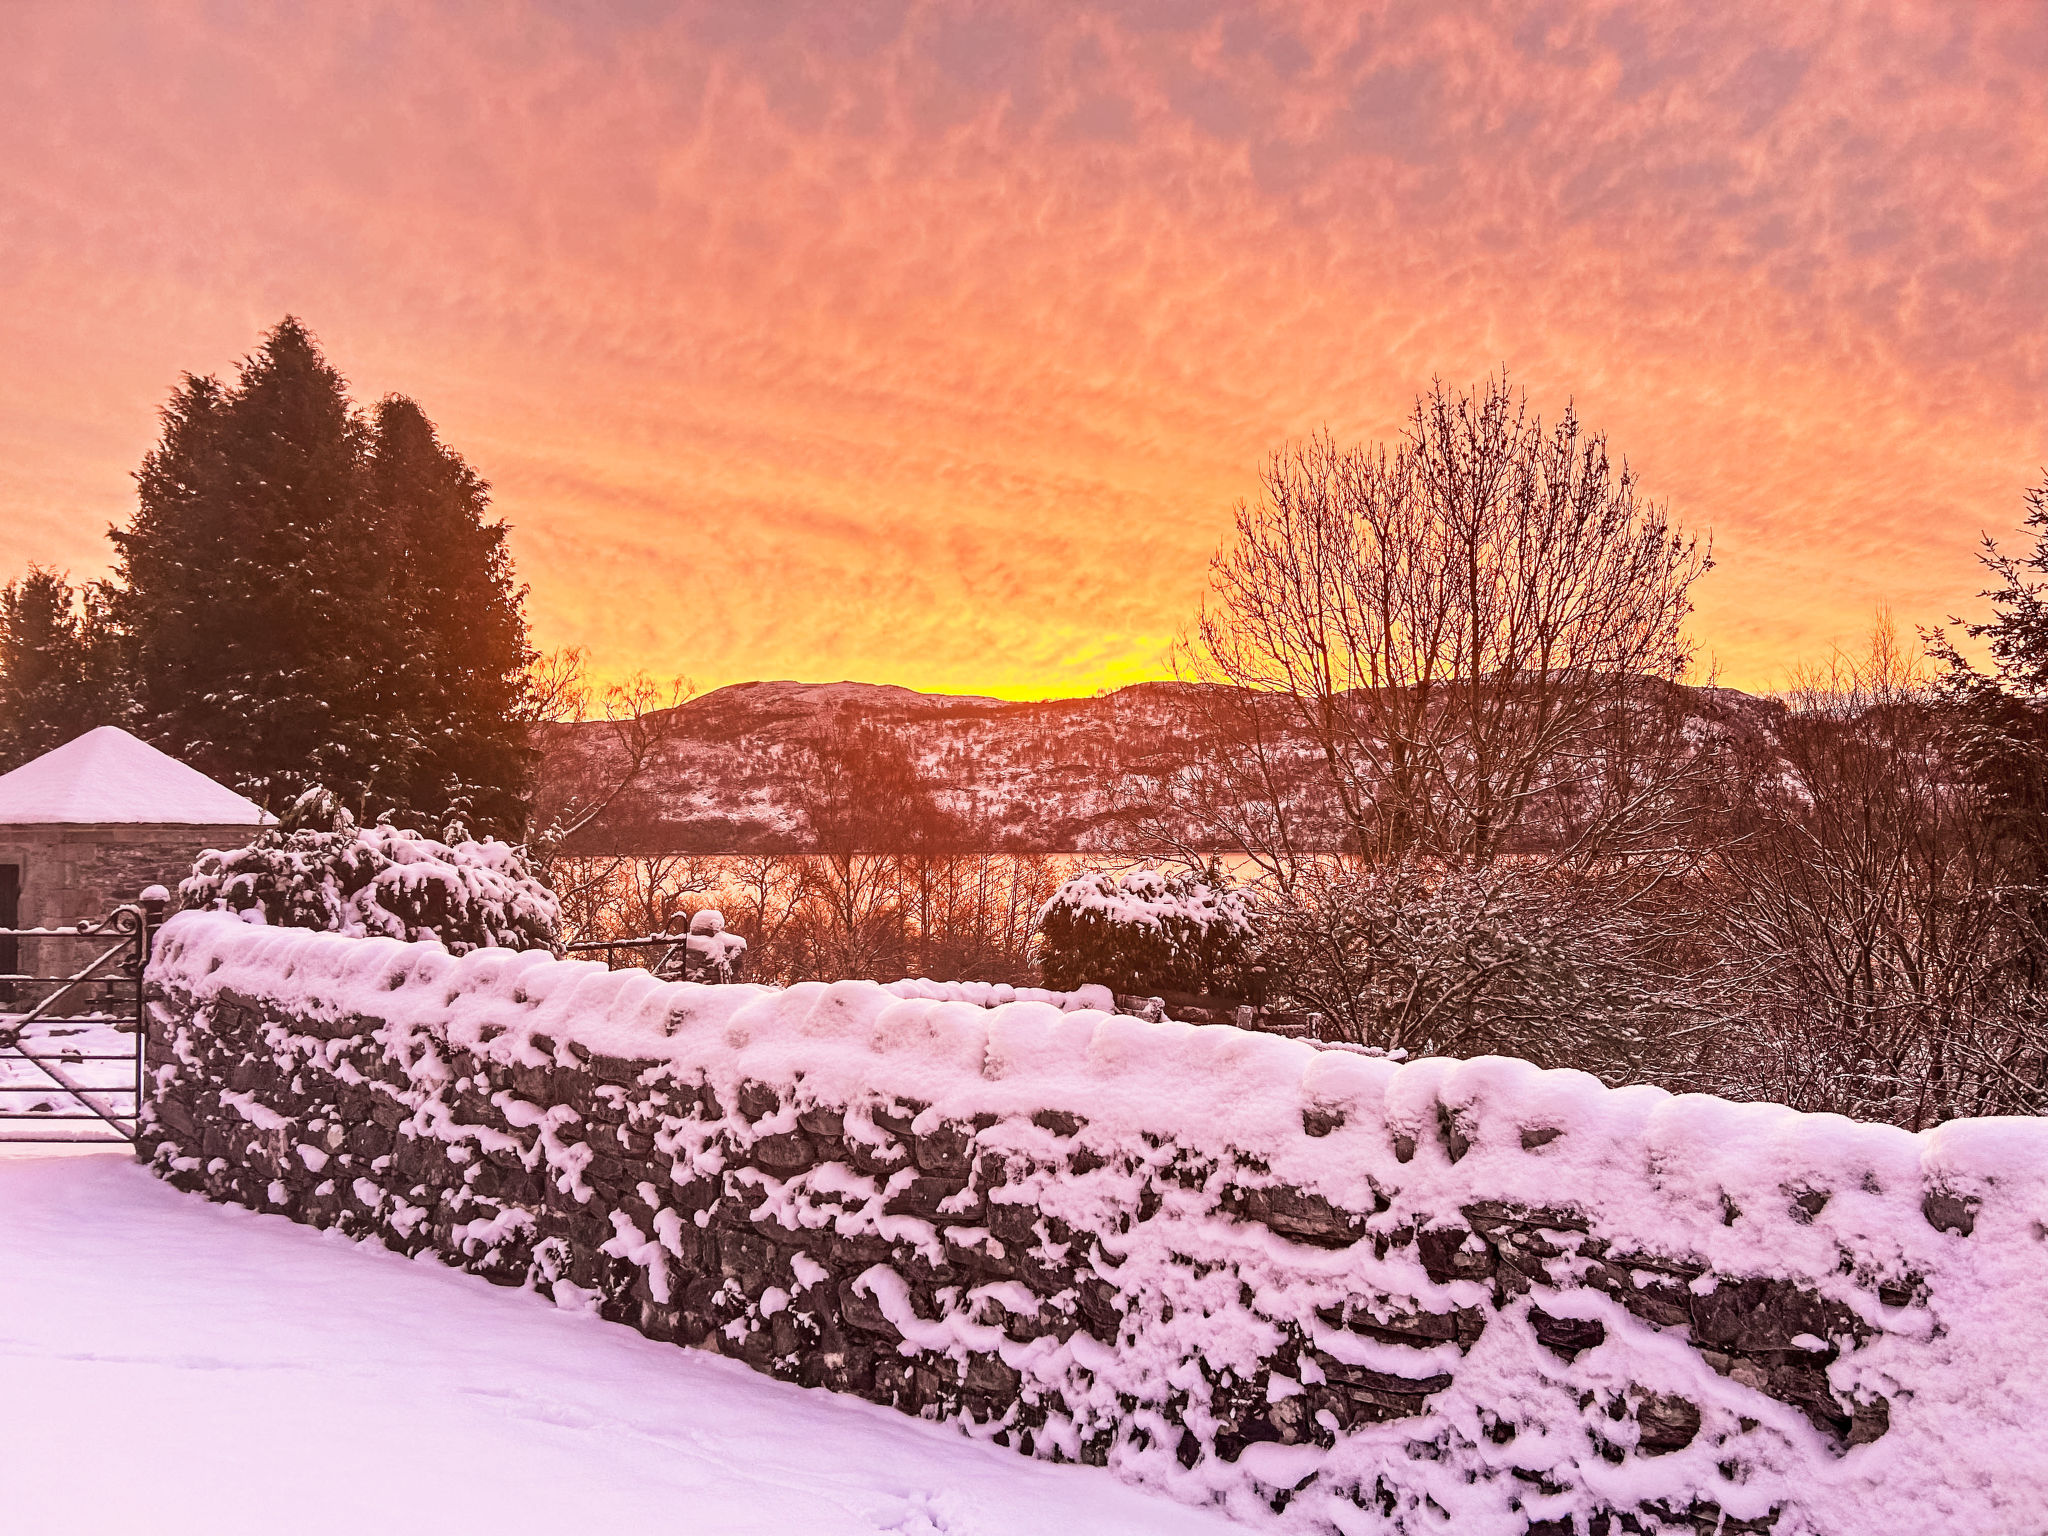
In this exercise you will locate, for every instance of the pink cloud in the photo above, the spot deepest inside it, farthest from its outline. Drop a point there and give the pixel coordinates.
(932, 343)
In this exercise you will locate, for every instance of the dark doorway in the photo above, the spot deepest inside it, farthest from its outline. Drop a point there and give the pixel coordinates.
(10, 917)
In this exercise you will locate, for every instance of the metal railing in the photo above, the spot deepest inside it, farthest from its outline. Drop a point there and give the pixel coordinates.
(670, 944)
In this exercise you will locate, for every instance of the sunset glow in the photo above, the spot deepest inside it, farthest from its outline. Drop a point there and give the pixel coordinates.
(932, 344)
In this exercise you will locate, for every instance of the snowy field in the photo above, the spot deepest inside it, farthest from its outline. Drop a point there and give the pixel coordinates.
(94, 1054)
(174, 1366)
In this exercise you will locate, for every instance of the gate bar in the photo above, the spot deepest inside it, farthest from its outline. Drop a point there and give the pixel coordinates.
(133, 922)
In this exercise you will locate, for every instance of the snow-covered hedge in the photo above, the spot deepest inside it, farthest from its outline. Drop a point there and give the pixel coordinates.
(1329, 1292)
(1146, 931)
(380, 881)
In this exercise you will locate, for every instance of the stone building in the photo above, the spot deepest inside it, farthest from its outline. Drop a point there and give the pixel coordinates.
(89, 825)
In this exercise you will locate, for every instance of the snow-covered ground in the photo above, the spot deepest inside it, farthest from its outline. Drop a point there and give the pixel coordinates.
(174, 1366)
(94, 1054)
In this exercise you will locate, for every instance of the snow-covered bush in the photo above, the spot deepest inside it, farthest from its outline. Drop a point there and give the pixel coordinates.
(707, 953)
(320, 870)
(1147, 931)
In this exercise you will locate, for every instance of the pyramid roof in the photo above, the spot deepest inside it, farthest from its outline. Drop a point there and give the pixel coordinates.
(107, 775)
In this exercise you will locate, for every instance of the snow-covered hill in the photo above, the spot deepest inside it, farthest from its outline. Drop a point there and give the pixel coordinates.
(1040, 776)
(724, 782)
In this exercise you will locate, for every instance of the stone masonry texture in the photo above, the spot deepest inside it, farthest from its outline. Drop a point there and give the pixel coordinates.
(871, 1244)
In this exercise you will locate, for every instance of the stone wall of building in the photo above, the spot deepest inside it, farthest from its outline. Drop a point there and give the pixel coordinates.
(1329, 1293)
(77, 872)
(69, 872)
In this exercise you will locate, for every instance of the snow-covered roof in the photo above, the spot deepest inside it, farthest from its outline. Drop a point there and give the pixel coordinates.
(106, 775)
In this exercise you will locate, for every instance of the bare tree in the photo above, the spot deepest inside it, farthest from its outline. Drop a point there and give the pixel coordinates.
(866, 805)
(658, 887)
(557, 686)
(1446, 648)
(767, 895)
(573, 790)
(1435, 702)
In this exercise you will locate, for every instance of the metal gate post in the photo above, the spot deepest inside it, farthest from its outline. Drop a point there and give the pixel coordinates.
(153, 902)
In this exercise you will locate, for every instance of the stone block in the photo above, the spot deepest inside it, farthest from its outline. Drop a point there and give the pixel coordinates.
(875, 1159)
(748, 1259)
(1454, 1253)
(1321, 1120)
(946, 1152)
(1665, 1423)
(822, 1120)
(1058, 1121)
(1301, 1216)
(176, 1115)
(758, 1101)
(897, 1114)
(783, 1154)
(1665, 1302)
(1765, 1316)
(1947, 1212)
(858, 1309)
(620, 1070)
(923, 1195)
(1566, 1337)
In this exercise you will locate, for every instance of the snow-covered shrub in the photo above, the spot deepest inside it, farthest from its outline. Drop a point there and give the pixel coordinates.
(707, 953)
(1147, 931)
(320, 870)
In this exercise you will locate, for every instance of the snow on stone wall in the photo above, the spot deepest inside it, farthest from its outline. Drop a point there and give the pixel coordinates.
(995, 994)
(1329, 1292)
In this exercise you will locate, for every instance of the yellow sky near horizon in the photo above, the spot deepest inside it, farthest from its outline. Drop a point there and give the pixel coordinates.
(932, 344)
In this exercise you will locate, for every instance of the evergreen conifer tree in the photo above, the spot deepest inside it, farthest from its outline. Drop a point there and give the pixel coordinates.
(57, 666)
(462, 675)
(2002, 715)
(255, 586)
(309, 598)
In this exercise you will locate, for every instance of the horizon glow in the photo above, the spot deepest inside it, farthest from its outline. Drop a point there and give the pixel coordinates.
(933, 344)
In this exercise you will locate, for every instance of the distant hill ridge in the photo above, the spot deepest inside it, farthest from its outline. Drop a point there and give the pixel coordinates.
(1040, 775)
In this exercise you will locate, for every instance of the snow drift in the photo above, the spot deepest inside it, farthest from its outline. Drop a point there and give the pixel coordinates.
(1325, 1291)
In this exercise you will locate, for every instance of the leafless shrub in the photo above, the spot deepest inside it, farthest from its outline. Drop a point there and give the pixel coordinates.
(1875, 953)
(955, 917)
(1563, 968)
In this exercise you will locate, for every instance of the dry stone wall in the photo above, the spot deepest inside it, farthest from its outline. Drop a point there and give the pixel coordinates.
(1329, 1293)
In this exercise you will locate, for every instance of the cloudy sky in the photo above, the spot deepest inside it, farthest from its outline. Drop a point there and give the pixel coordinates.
(932, 343)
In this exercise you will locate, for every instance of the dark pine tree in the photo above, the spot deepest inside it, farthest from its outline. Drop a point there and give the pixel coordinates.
(256, 584)
(57, 666)
(306, 597)
(462, 672)
(2001, 715)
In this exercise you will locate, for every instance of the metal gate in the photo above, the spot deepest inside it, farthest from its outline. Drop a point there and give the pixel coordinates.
(72, 1041)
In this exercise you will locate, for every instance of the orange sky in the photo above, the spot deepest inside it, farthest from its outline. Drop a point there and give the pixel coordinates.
(932, 343)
